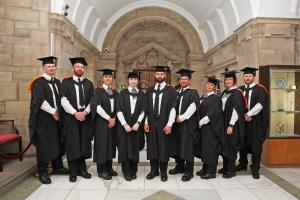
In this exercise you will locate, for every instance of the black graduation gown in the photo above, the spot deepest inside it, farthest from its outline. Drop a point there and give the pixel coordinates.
(129, 144)
(186, 133)
(255, 132)
(105, 140)
(45, 132)
(159, 145)
(212, 133)
(235, 101)
(78, 134)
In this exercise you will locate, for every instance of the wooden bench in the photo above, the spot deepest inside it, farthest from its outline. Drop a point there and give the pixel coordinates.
(9, 137)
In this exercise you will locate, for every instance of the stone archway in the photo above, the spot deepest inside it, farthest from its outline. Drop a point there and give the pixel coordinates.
(152, 32)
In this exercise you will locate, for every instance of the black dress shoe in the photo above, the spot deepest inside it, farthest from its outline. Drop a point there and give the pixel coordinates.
(152, 174)
(176, 170)
(255, 175)
(61, 171)
(112, 172)
(104, 175)
(187, 177)
(241, 167)
(163, 177)
(45, 179)
(199, 173)
(222, 170)
(73, 179)
(133, 176)
(84, 174)
(229, 174)
(208, 176)
(127, 178)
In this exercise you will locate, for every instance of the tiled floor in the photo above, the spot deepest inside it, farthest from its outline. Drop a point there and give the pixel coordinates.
(240, 187)
(292, 175)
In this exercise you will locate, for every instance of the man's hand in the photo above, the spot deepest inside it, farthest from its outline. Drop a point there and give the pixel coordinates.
(127, 128)
(111, 122)
(229, 130)
(135, 127)
(80, 116)
(248, 118)
(168, 130)
(146, 128)
(178, 119)
(56, 116)
(200, 125)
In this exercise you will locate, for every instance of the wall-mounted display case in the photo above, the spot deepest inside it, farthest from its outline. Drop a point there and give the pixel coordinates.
(282, 145)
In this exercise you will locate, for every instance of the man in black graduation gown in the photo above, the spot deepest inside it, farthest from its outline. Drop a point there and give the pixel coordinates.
(104, 119)
(256, 118)
(185, 134)
(161, 114)
(76, 95)
(44, 120)
(130, 112)
(211, 129)
(233, 105)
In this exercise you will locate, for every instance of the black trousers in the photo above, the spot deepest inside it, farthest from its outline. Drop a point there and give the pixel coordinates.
(56, 165)
(129, 167)
(77, 165)
(104, 167)
(229, 160)
(184, 164)
(156, 164)
(210, 169)
(255, 157)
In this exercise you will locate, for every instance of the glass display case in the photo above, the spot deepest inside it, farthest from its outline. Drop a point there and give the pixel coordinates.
(283, 83)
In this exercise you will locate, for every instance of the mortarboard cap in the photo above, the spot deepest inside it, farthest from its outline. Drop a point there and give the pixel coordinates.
(160, 68)
(80, 60)
(249, 70)
(48, 60)
(185, 72)
(107, 71)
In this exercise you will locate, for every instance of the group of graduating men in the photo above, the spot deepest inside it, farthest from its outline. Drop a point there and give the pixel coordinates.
(66, 116)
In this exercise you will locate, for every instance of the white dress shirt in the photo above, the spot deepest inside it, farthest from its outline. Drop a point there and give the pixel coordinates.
(100, 110)
(205, 119)
(234, 115)
(132, 108)
(189, 111)
(45, 105)
(172, 114)
(66, 103)
(257, 108)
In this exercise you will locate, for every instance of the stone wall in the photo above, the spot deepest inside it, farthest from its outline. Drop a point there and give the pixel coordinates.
(23, 38)
(260, 41)
(27, 32)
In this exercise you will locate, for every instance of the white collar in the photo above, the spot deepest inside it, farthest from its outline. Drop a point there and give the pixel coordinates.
(75, 78)
(233, 87)
(183, 89)
(251, 85)
(130, 88)
(105, 86)
(162, 85)
(47, 77)
(210, 93)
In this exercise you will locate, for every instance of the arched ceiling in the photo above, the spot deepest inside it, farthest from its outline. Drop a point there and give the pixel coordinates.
(214, 20)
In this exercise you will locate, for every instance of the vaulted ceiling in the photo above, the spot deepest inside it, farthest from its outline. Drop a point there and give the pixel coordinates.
(214, 20)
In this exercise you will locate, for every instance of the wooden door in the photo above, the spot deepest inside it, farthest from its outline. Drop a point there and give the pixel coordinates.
(147, 79)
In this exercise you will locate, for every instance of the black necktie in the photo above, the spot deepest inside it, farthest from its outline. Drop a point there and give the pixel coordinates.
(109, 91)
(133, 93)
(81, 96)
(247, 92)
(52, 82)
(156, 102)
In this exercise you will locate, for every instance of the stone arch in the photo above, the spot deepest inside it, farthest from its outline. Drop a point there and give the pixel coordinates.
(188, 38)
